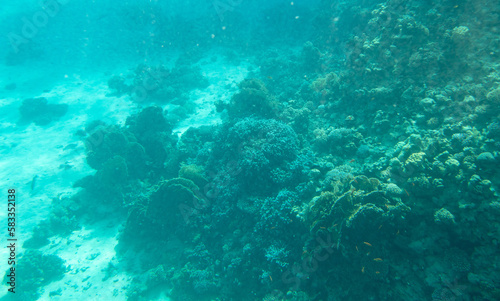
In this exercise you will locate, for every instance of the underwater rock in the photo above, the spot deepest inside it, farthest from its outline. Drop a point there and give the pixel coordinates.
(147, 281)
(444, 217)
(363, 151)
(485, 160)
(154, 133)
(493, 98)
(148, 122)
(136, 160)
(381, 122)
(416, 162)
(452, 166)
(113, 173)
(458, 260)
(494, 130)
(117, 84)
(105, 142)
(428, 104)
(165, 203)
(480, 189)
(40, 112)
(438, 169)
(38, 270)
(252, 99)
(143, 145)
(365, 216)
(460, 33)
(395, 163)
(393, 190)
(364, 183)
(311, 57)
(420, 186)
(194, 173)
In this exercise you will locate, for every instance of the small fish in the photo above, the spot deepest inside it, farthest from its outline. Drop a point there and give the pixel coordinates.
(379, 227)
(352, 161)
(70, 146)
(357, 249)
(377, 272)
(363, 270)
(322, 228)
(33, 182)
(377, 259)
(271, 278)
(367, 243)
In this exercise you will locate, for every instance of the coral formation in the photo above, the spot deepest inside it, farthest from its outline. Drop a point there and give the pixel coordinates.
(341, 169)
(253, 99)
(38, 270)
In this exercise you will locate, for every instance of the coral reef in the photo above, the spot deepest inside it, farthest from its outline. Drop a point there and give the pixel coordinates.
(38, 270)
(344, 168)
(253, 99)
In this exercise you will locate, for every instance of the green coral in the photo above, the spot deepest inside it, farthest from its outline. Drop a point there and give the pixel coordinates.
(444, 217)
(252, 99)
(35, 270)
(194, 173)
(114, 173)
(167, 202)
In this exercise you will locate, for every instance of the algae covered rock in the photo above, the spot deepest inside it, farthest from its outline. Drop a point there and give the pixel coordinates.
(452, 166)
(311, 57)
(194, 173)
(105, 142)
(40, 112)
(485, 160)
(460, 33)
(154, 133)
(493, 96)
(114, 173)
(393, 190)
(444, 217)
(365, 216)
(252, 99)
(365, 183)
(168, 203)
(479, 188)
(37, 270)
(416, 162)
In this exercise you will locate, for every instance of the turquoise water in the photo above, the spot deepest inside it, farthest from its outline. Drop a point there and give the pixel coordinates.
(250, 150)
